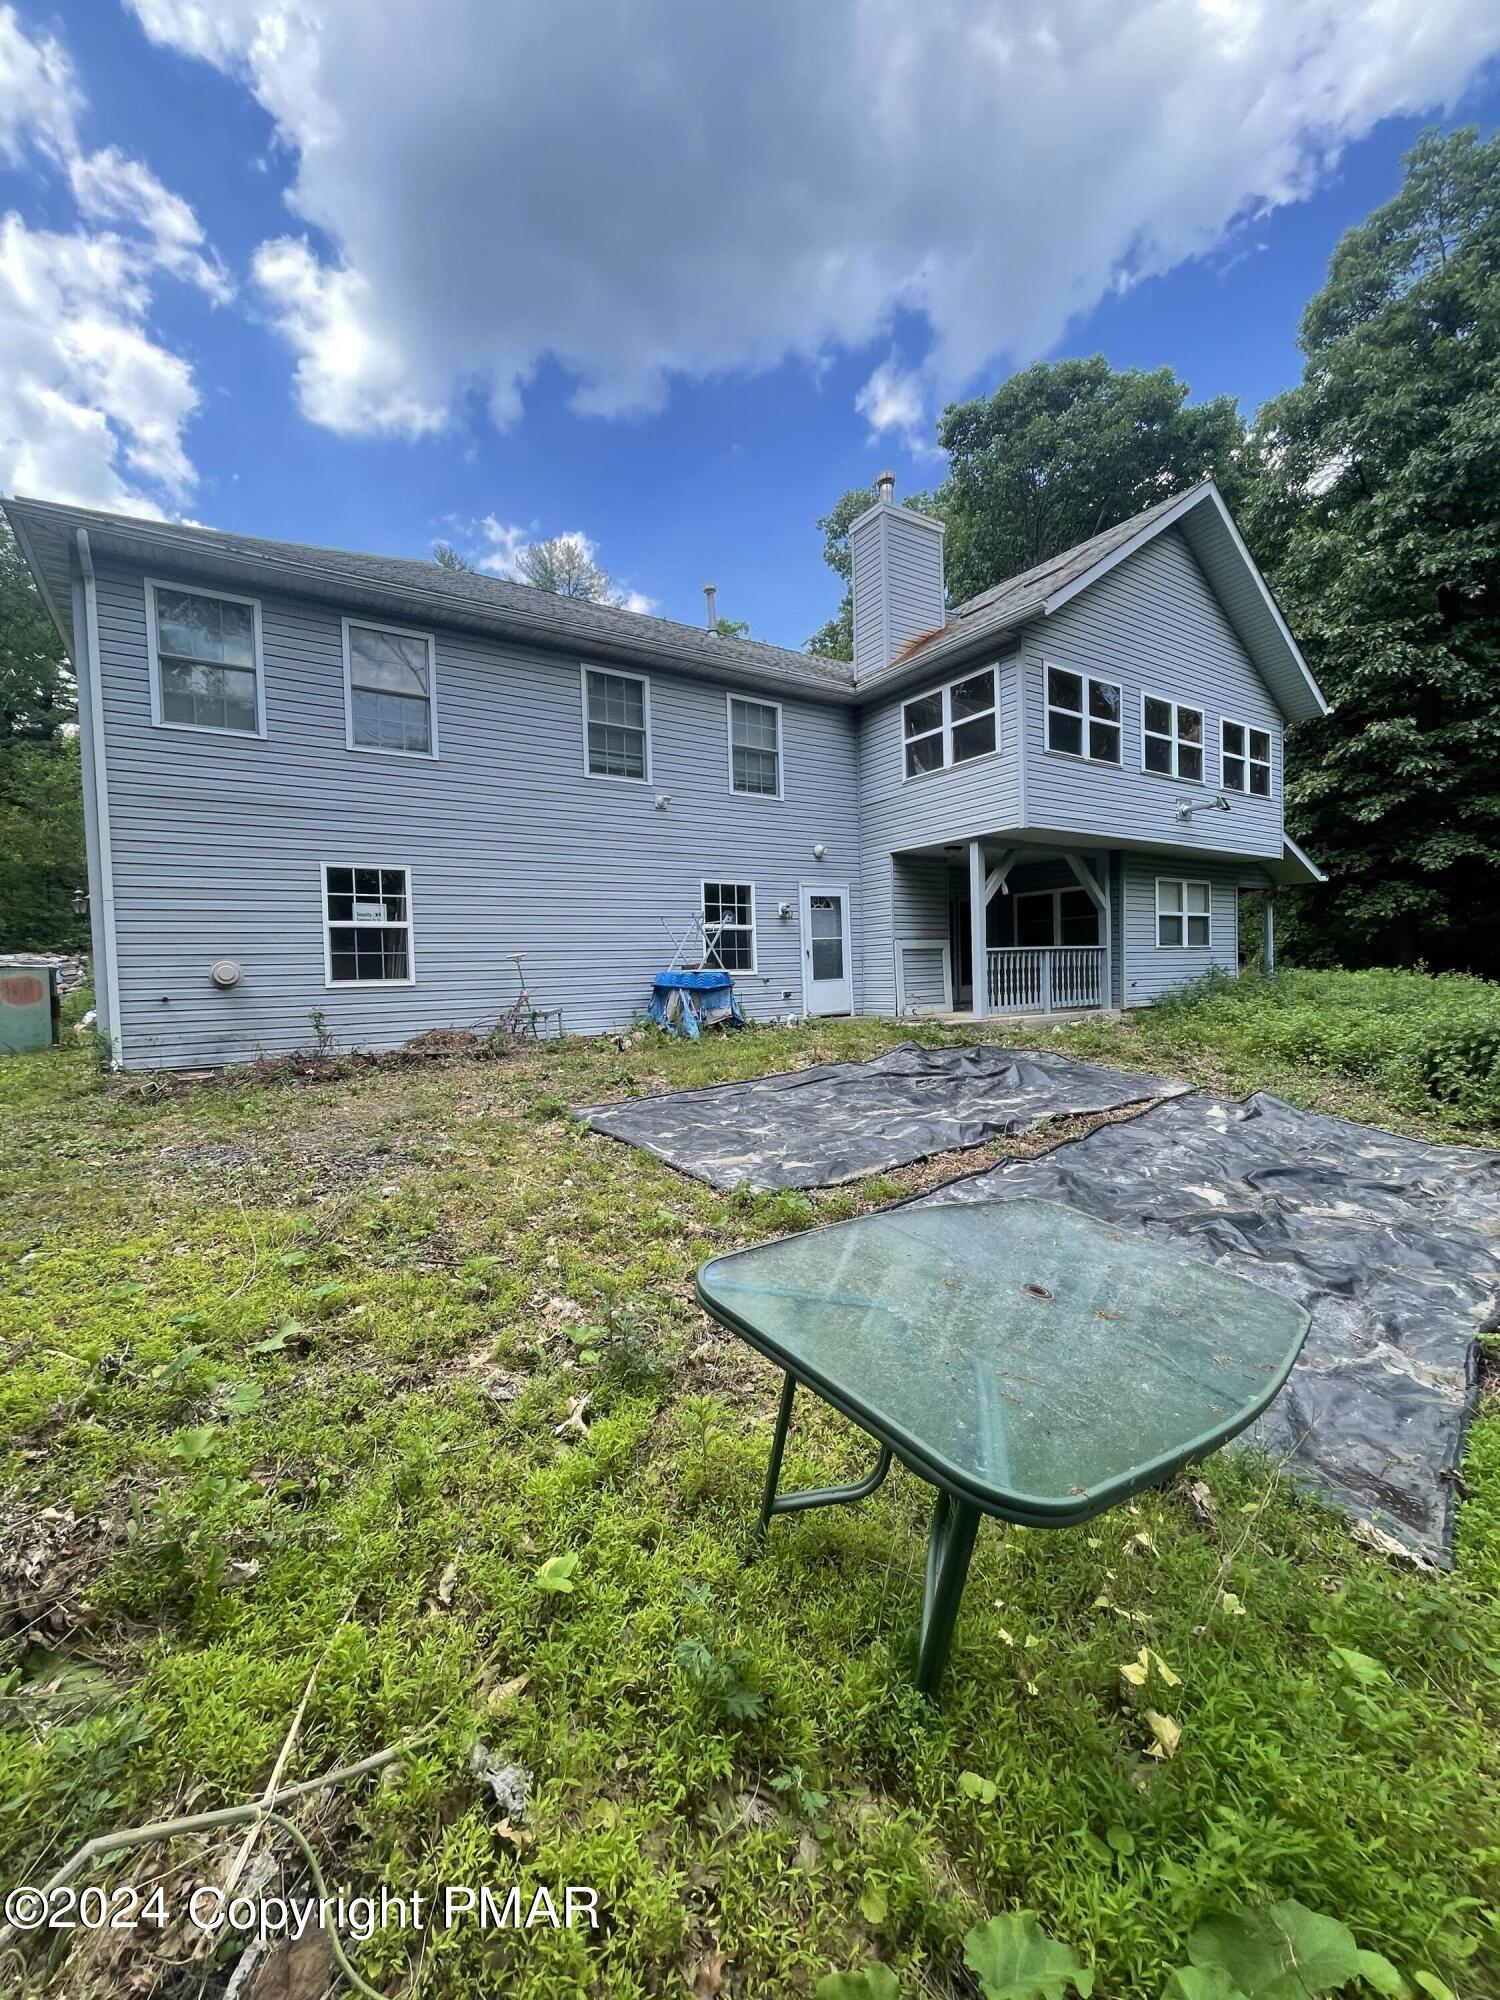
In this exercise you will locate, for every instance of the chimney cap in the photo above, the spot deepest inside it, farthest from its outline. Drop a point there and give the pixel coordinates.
(885, 486)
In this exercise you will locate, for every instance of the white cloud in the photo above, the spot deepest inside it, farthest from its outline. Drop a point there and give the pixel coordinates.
(639, 202)
(895, 399)
(90, 403)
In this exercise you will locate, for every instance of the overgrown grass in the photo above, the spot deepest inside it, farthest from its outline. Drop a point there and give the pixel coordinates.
(290, 1365)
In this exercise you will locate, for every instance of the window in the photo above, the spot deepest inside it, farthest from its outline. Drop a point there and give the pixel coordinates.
(1183, 913)
(1055, 917)
(1083, 716)
(367, 926)
(617, 725)
(1245, 759)
(205, 661)
(389, 683)
(729, 926)
(1171, 739)
(755, 747)
(951, 725)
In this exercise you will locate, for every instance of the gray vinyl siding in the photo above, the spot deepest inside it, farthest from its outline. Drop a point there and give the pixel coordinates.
(899, 813)
(1153, 625)
(1150, 970)
(219, 842)
(897, 572)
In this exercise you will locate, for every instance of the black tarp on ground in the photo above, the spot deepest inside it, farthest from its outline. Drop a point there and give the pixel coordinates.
(817, 1127)
(1393, 1245)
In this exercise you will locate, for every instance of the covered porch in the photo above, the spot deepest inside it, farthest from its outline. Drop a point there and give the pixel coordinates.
(1035, 921)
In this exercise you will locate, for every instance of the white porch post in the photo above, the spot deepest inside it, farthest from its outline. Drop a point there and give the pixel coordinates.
(1268, 904)
(978, 932)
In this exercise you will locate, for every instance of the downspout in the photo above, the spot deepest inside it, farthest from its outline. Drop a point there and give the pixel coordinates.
(93, 675)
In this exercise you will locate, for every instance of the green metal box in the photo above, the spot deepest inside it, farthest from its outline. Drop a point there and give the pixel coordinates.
(29, 1008)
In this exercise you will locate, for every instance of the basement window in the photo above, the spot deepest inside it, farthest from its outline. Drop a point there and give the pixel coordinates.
(1083, 716)
(952, 725)
(389, 682)
(1244, 759)
(729, 924)
(1171, 739)
(1183, 914)
(205, 661)
(367, 926)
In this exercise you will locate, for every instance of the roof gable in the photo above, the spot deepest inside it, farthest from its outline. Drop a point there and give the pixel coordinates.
(1208, 528)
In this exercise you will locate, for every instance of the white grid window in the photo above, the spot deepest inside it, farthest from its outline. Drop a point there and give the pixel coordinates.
(390, 687)
(1083, 716)
(367, 926)
(1245, 759)
(1171, 739)
(755, 747)
(952, 725)
(729, 925)
(617, 711)
(206, 656)
(1183, 913)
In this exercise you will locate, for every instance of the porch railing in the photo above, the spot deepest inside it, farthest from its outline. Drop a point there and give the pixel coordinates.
(1041, 979)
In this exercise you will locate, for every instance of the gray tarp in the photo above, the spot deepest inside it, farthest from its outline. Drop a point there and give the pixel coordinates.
(1393, 1245)
(817, 1127)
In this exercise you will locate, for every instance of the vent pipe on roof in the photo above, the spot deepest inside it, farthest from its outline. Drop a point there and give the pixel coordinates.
(710, 592)
(885, 487)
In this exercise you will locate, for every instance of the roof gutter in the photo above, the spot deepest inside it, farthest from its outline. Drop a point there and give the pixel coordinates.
(92, 708)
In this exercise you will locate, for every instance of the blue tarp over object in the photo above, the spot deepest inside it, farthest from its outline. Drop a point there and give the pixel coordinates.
(687, 1002)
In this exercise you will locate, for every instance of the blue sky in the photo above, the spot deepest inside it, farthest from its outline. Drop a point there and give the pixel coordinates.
(332, 284)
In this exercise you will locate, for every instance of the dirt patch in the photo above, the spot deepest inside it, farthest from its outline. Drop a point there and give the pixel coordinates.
(48, 1556)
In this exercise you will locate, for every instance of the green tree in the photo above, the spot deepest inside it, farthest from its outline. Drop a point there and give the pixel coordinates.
(41, 845)
(1065, 449)
(447, 557)
(37, 694)
(566, 565)
(41, 793)
(1377, 514)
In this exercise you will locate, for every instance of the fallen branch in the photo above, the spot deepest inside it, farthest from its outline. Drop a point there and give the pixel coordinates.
(278, 1769)
(263, 1808)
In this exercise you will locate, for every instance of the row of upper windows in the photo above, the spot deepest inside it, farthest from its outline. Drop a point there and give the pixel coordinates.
(206, 673)
(1085, 718)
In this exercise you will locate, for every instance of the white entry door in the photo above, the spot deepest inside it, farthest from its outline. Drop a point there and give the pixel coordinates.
(827, 986)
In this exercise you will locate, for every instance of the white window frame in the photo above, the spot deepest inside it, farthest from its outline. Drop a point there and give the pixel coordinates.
(1184, 915)
(396, 632)
(735, 971)
(153, 655)
(946, 726)
(756, 701)
(365, 985)
(1244, 791)
(586, 668)
(1195, 708)
(1081, 716)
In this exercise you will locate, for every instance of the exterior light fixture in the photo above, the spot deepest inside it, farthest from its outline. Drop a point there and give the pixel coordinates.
(819, 851)
(80, 902)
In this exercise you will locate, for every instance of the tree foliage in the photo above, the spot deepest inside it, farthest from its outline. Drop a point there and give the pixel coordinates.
(37, 695)
(1067, 448)
(1377, 514)
(566, 565)
(41, 795)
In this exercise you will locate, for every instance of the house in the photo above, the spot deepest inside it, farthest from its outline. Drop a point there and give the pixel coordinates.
(337, 793)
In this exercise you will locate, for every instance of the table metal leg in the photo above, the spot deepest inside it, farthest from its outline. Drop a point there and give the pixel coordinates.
(773, 1502)
(949, 1547)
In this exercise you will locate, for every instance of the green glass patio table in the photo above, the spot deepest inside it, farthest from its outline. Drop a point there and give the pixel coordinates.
(1026, 1360)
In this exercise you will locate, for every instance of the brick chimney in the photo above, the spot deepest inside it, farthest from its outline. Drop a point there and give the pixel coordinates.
(897, 576)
